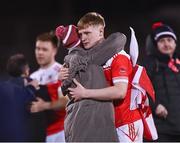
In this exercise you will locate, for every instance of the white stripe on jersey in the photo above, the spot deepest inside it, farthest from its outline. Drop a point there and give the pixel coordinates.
(120, 80)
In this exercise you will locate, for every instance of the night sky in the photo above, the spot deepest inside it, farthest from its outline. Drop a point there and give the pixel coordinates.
(21, 22)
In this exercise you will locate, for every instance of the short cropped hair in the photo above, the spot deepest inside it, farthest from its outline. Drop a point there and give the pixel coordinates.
(16, 65)
(91, 18)
(48, 36)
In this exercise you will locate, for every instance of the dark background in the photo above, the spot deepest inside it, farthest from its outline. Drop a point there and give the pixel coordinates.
(21, 22)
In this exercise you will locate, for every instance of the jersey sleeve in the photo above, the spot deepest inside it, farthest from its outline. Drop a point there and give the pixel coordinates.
(120, 68)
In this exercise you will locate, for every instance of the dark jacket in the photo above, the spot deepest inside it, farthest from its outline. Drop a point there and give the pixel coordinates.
(166, 83)
(14, 120)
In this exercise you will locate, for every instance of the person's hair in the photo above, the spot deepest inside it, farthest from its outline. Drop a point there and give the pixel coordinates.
(16, 65)
(49, 36)
(91, 19)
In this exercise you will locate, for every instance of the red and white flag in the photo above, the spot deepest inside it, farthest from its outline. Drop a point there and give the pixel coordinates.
(141, 85)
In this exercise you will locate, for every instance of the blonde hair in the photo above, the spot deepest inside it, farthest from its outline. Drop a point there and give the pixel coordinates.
(91, 19)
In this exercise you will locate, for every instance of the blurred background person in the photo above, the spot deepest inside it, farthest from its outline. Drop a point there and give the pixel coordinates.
(163, 65)
(16, 95)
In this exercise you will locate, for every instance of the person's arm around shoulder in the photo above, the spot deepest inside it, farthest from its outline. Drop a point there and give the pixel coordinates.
(109, 47)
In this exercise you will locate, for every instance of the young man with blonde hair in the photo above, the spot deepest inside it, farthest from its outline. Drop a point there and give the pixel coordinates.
(119, 74)
(91, 120)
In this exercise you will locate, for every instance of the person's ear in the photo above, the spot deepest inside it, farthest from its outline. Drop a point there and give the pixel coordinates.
(55, 50)
(101, 31)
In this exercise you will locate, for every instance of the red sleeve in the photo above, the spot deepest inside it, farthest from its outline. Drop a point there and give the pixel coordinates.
(121, 68)
(53, 90)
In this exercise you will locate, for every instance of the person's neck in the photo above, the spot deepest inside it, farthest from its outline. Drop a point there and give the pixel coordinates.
(171, 56)
(47, 65)
(99, 41)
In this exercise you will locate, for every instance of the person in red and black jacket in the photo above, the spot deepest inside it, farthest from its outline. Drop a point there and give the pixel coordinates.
(163, 67)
